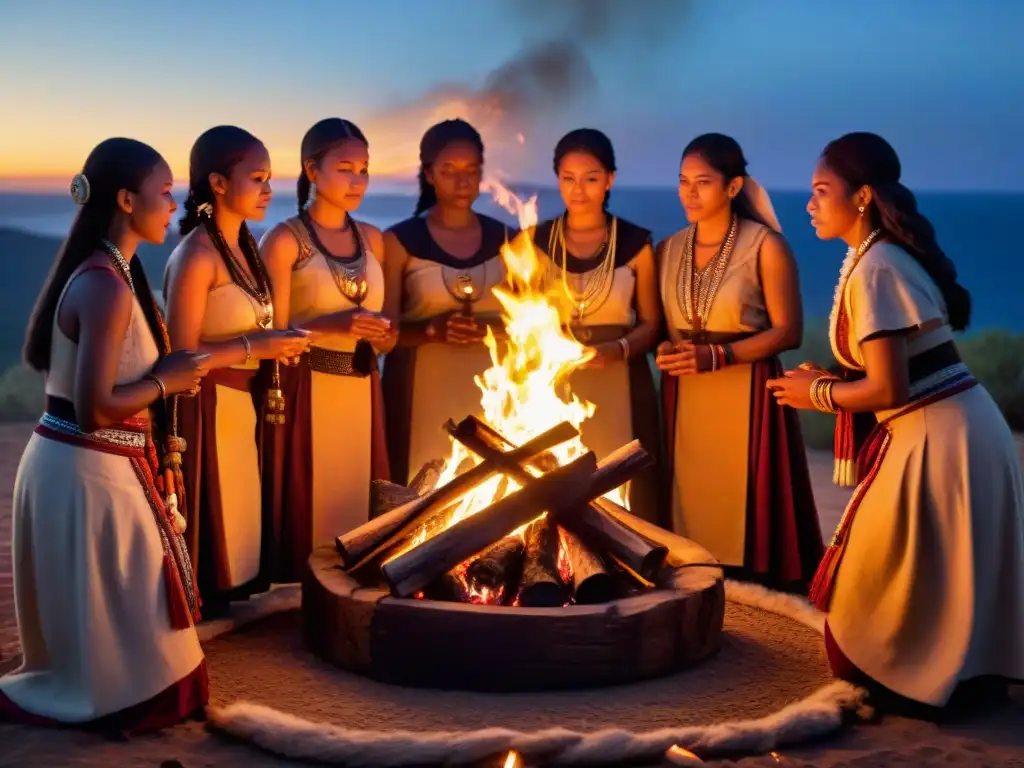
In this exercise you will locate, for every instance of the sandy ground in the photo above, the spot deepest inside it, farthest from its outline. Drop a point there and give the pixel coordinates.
(993, 738)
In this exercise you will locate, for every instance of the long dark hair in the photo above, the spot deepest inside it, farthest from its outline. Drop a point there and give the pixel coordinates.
(434, 140)
(317, 142)
(867, 160)
(219, 150)
(114, 164)
(724, 154)
(592, 142)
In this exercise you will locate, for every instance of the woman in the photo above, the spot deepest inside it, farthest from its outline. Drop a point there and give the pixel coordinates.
(103, 586)
(740, 483)
(602, 269)
(439, 270)
(218, 300)
(325, 271)
(924, 581)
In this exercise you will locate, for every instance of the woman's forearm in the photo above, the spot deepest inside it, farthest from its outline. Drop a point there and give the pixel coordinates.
(866, 395)
(769, 343)
(642, 339)
(123, 402)
(228, 353)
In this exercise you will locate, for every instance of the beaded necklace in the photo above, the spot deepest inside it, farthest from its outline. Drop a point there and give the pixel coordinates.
(696, 289)
(838, 319)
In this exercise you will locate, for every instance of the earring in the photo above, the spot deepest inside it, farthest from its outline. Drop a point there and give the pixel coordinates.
(861, 210)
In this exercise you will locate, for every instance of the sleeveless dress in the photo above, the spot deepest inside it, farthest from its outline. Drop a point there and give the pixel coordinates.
(740, 485)
(334, 429)
(222, 426)
(426, 385)
(924, 583)
(623, 391)
(91, 562)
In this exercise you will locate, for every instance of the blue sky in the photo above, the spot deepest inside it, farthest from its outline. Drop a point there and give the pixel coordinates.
(943, 80)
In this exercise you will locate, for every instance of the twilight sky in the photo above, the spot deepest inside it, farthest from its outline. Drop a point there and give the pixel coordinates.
(943, 80)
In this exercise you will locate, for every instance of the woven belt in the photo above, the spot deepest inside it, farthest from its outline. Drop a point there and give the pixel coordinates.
(334, 363)
(714, 337)
(121, 438)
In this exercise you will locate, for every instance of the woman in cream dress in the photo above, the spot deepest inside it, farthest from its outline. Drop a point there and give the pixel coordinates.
(327, 279)
(441, 269)
(740, 483)
(602, 269)
(924, 579)
(218, 300)
(103, 587)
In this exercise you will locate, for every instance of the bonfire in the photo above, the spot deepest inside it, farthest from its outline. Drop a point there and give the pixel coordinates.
(519, 513)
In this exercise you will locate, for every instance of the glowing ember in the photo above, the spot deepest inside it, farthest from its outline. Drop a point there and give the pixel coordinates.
(525, 392)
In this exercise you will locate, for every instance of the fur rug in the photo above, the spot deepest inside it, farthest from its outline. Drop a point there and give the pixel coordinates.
(334, 743)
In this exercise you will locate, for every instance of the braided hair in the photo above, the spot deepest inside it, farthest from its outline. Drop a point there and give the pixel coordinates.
(219, 150)
(864, 159)
(592, 142)
(318, 141)
(433, 142)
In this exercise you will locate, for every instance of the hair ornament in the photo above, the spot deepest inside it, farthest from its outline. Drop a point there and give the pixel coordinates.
(80, 189)
(204, 209)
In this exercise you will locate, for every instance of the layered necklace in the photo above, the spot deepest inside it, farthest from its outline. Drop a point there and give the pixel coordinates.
(696, 289)
(587, 290)
(255, 284)
(349, 273)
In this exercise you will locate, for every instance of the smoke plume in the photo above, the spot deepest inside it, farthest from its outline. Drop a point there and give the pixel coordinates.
(551, 75)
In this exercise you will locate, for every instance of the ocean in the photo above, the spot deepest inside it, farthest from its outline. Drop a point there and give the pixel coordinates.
(975, 229)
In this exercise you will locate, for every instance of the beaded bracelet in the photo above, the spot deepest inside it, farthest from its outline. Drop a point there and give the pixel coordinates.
(721, 356)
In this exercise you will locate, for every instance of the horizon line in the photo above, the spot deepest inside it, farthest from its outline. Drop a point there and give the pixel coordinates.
(41, 186)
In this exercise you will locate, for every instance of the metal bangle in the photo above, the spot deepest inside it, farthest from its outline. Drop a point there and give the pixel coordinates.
(248, 349)
(159, 384)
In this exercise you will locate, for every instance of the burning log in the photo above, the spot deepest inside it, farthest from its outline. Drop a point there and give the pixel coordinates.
(591, 582)
(593, 523)
(385, 496)
(365, 545)
(426, 479)
(542, 585)
(412, 570)
(497, 571)
(448, 587)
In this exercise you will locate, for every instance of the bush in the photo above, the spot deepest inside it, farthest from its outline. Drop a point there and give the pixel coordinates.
(21, 394)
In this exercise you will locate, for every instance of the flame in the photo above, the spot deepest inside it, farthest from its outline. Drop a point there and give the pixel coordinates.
(526, 391)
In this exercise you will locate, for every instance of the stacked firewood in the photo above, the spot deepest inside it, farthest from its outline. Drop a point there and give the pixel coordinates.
(555, 540)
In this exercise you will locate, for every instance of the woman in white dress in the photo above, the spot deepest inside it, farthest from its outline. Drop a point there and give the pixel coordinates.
(103, 586)
(924, 579)
(740, 486)
(440, 271)
(218, 301)
(326, 275)
(602, 269)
